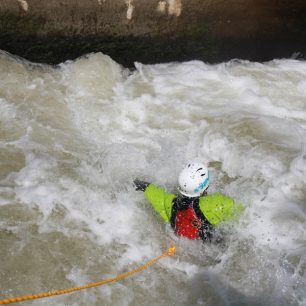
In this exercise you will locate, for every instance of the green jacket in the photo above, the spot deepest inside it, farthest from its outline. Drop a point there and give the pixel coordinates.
(215, 207)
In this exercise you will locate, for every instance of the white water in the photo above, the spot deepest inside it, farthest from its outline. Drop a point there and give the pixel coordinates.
(72, 139)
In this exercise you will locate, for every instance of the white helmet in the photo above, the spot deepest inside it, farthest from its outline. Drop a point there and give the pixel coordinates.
(193, 180)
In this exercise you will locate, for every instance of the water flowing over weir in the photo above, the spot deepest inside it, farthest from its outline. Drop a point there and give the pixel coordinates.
(72, 139)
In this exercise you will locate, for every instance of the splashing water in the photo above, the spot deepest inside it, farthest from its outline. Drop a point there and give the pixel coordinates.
(72, 139)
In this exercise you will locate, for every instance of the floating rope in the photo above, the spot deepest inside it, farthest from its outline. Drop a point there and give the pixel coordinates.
(169, 252)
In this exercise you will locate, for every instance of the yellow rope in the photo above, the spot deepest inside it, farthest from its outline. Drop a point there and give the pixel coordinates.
(169, 252)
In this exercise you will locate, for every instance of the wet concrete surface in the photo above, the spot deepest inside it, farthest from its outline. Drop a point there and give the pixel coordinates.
(153, 31)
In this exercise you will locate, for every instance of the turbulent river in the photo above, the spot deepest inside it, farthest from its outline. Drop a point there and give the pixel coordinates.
(73, 138)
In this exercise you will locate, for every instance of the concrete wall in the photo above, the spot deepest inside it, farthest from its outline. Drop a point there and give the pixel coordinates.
(153, 30)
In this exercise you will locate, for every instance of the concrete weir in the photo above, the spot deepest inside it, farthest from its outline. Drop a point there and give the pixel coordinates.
(153, 31)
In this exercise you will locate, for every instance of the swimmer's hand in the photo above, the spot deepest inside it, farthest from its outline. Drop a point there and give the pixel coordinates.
(140, 185)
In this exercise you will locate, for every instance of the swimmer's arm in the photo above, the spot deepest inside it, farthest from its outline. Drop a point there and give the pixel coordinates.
(161, 200)
(218, 207)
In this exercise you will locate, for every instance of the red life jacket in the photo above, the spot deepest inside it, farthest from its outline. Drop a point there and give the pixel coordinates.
(188, 220)
(187, 224)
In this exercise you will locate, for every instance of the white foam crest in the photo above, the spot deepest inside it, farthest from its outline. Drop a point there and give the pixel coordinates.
(35, 172)
(93, 75)
(94, 214)
(7, 111)
(206, 86)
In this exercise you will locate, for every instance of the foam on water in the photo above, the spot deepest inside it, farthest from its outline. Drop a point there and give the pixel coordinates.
(74, 137)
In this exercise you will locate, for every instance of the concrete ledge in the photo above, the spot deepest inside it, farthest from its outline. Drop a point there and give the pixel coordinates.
(152, 31)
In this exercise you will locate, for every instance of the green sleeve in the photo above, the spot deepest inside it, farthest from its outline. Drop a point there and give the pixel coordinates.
(217, 208)
(161, 200)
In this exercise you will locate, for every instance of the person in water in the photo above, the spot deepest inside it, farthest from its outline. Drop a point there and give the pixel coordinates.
(193, 213)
